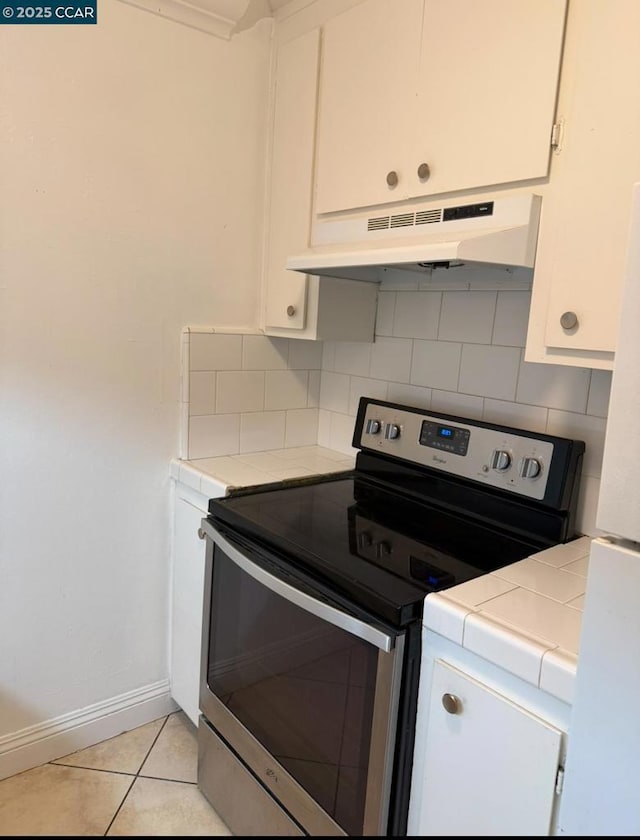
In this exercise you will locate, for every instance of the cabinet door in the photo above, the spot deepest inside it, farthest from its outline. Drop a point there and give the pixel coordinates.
(488, 85)
(583, 237)
(289, 215)
(370, 57)
(490, 768)
(186, 607)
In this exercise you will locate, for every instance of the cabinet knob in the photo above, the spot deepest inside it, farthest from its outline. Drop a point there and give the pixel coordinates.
(291, 310)
(424, 172)
(201, 533)
(392, 178)
(568, 320)
(452, 704)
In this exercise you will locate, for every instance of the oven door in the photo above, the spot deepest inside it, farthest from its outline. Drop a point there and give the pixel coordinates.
(302, 689)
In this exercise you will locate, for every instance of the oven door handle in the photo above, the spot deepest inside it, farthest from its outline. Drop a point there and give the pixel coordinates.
(352, 625)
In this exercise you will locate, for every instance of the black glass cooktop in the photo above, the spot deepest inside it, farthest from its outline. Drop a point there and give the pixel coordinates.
(381, 548)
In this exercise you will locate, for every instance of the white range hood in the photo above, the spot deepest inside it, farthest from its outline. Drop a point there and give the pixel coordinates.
(500, 231)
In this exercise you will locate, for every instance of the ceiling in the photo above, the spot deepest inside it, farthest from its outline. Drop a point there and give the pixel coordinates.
(217, 17)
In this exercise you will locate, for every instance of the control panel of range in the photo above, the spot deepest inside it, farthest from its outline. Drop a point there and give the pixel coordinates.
(469, 449)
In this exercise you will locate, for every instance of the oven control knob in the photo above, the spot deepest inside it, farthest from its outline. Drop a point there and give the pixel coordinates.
(392, 431)
(373, 427)
(383, 549)
(530, 468)
(364, 540)
(501, 460)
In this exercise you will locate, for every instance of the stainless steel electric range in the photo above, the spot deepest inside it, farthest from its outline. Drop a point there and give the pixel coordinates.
(314, 594)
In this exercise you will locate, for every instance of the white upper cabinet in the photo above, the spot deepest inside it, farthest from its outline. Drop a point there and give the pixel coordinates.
(298, 305)
(294, 120)
(425, 97)
(582, 240)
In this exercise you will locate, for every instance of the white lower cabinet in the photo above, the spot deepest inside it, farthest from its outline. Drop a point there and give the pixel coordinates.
(487, 761)
(186, 599)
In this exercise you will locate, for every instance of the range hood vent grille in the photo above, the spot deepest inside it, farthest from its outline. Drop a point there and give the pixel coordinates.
(422, 217)
(428, 217)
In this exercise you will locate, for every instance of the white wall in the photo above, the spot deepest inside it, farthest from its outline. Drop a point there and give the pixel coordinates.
(131, 182)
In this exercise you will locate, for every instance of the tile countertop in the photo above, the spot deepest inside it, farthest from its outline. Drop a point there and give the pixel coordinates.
(524, 618)
(218, 476)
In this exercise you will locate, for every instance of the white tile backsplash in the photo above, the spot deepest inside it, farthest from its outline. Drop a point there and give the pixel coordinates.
(305, 355)
(239, 390)
(262, 430)
(599, 393)
(202, 390)
(451, 402)
(583, 427)
(313, 394)
(353, 357)
(414, 395)
(361, 387)
(233, 377)
(490, 371)
(454, 347)
(301, 427)
(260, 352)
(436, 364)
(286, 389)
(512, 316)
(384, 314)
(214, 434)
(334, 391)
(215, 351)
(467, 316)
(531, 417)
(391, 359)
(417, 314)
(553, 386)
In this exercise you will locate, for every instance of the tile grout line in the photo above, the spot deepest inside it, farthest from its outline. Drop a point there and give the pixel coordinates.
(136, 776)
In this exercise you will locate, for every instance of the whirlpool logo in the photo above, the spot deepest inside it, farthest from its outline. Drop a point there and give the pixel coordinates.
(438, 459)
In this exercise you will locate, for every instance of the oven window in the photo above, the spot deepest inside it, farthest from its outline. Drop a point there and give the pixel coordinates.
(304, 688)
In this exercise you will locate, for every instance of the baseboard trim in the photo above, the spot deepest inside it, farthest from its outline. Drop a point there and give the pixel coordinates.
(83, 728)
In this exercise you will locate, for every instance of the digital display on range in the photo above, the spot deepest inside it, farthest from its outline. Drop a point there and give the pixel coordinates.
(453, 439)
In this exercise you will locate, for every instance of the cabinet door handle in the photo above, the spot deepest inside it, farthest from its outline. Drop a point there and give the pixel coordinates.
(568, 320)
(201, 533)
(424, 171)
(452, 704)
(291, 310)
(392, 178)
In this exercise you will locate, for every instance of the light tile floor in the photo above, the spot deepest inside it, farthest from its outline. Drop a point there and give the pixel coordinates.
(142, 782)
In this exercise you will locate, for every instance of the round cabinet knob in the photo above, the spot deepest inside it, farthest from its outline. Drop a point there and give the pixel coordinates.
(531, 468)
(392, 178)
(424, 171)
(568, 320)
(501, 460)
(291, 310)
(201, 533)
(452, 704)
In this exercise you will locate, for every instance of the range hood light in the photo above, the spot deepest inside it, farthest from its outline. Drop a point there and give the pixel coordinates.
(440, 264)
